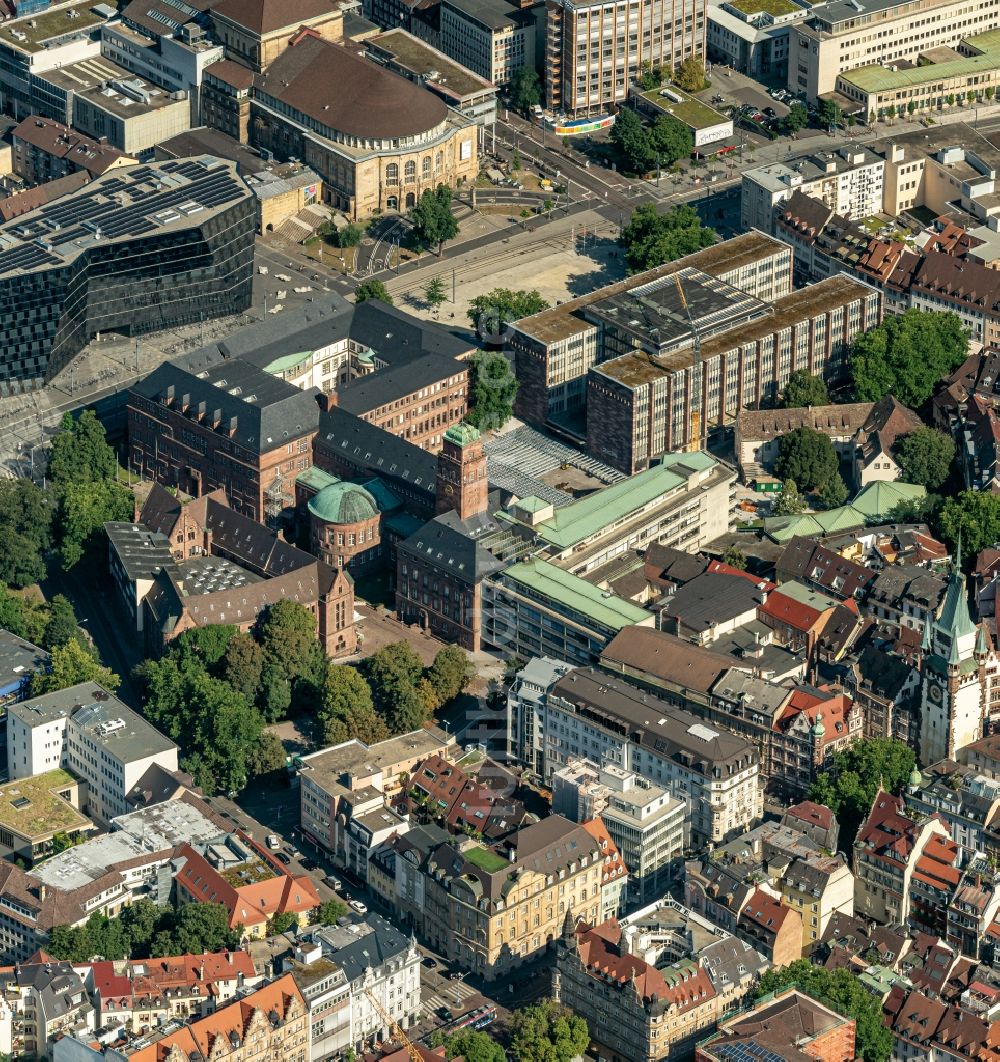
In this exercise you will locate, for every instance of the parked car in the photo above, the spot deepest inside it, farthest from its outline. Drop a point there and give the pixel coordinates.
(358, 907)
(282, 858)
(429, 963)
(273, 842)
(333, 883)
(770, 112)
(309, 864)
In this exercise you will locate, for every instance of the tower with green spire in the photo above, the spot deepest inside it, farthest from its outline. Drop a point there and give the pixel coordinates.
(953, 654)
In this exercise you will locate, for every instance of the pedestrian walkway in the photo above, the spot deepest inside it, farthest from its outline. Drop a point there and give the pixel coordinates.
(450, 995)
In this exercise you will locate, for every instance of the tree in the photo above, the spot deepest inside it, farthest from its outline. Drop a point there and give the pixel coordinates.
(632, 142)
(911, 107)
(973, 514)
(471, 1045)
(789, 502)
(349, 235)
(547, 1032)
(80, 452)
(450, 673)
(493, 387)
(525, 90)
(406, 710)
(690, 75)
(735, 558)
(372, 289)
(282, 923)
(890, 111)
(286, 633)
(651, 77)
(347, 710)
(971, 96)
(830, 113)
(855, 775)
(833, 493)
(803, 389)
(209, 643)
(242, 665)
(267, 756)
(650, 238)
(490, 313)
(796, 119)
(433, 219)
(328, 912)
(950, 99)
(670, 140)
(61, 627)
(84, 509)
(906, 356)
(807, 456)
(227, 730)
(71, 664)
(840, 990)
(925, 457)
(435, 294)
(201, 927)
(26, 513)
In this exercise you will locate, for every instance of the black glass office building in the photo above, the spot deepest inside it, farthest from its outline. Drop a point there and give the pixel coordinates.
(142, 248)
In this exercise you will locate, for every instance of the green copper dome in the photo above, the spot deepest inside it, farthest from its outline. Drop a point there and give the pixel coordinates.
(343, 503)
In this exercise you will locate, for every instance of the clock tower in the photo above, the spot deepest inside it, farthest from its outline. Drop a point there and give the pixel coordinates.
(462, 483)
(953, 659)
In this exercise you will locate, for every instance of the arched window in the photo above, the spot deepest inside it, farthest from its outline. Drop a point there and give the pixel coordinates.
(411, 170)
(425, 167)
(392, 173)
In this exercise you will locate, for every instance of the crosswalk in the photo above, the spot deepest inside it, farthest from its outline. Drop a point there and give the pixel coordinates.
(449, 996)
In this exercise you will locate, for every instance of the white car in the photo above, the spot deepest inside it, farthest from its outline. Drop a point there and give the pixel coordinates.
(358, 907)
(273, 842)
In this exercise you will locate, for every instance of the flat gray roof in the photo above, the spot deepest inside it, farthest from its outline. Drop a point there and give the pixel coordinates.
(18, 658)
(143, 553)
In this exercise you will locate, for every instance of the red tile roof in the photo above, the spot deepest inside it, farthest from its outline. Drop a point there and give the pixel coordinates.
(614, 867)
(809, 812)
(786, 610)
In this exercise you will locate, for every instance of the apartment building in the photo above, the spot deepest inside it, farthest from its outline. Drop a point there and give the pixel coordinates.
(846, 34)
(92, 733)
(649, 827)
(45, 150)
(636, 1010)
(492, 38)
(489, 909)
(271, 1021)
(849, 181)
(888, 848)
(663, 395)
(342, 969)
(595, 51)
(200, 425)
(332, 781)
(555, 350)
(608, 721)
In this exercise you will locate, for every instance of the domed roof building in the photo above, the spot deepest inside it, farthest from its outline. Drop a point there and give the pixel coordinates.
(377, 139)
(343, 503)
(344, 526)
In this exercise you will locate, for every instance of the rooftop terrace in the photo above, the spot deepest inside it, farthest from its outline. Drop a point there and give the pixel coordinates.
(34, 32)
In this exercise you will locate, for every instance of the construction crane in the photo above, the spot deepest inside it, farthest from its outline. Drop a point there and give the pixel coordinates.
(394, 1027)
(696, 411)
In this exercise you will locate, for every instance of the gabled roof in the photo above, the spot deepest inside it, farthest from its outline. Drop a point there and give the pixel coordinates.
(267, 16)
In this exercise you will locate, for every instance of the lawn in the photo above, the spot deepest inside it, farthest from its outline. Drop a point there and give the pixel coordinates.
(485, 859)
(776, 8)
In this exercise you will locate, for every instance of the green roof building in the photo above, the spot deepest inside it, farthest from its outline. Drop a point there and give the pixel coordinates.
(537, 609)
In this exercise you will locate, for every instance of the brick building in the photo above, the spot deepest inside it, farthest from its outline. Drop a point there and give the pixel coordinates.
(201, 424)
(791, 1026)
(45, 150)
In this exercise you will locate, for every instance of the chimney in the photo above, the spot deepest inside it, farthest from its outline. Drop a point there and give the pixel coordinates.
(216, 418)
(327, 401)
(201, 409)
(232, 426)
(170, 394)
(185, 402)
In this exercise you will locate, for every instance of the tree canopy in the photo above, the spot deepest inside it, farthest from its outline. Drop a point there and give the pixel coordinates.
(547, 1032)
(803, 389)
(790, 501)
(502, 306)
(690, 75)
(471, 1045)
(925, 457)
(372, 289)
(145, 930)
(975, 515)
(347, 710)
(651, 238)
(849, 785)
(432, 217)
(71, 664)
(631, 142)
(907, 355)
(808, 457)
(493, 387)
(80, 452)
(525, 89)
(26, 513)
